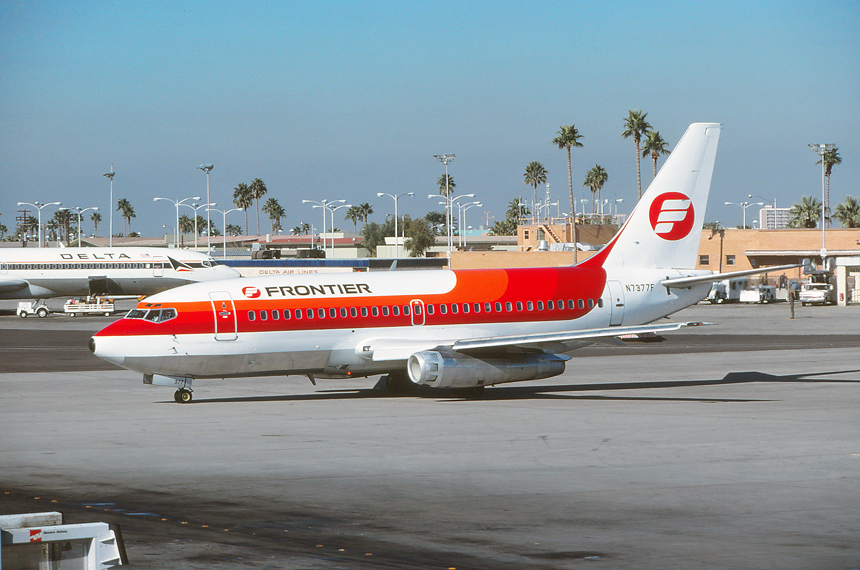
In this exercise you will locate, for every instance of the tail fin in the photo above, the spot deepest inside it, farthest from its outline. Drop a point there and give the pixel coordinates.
(666, 225)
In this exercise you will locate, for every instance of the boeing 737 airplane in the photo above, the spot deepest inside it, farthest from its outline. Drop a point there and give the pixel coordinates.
(41, 273)
(462, 330)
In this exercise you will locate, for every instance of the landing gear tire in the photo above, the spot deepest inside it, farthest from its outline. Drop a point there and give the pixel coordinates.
(399, 384)
(472, 393)
(182, 396)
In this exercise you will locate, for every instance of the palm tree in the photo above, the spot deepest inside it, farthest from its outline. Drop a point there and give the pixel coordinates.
(64, 219)
(243, 198)
(655, 146)
(96, 218)
(446, 184)
(306, 228)
(275, 212)
(258, 190)
(296, 230)
(568, 137)
(635, 126)
(186, 224)
(126, 210)
(535, 174)
(353, 214)
(516, 209)
(830, 158)
(594, 180)
(366, 210)
(437, 220)
(848, 212)
(805, 214)
(233, 230)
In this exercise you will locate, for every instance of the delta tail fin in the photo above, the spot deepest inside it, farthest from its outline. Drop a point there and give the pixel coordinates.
(665, 227)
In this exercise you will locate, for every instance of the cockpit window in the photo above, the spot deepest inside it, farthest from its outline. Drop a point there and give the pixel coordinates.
(154, 315)
(208, 262)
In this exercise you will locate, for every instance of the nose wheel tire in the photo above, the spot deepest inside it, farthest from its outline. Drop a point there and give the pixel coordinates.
(182, 396)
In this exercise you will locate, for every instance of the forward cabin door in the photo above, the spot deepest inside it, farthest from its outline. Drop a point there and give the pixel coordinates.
(616, 302)
(224, 312)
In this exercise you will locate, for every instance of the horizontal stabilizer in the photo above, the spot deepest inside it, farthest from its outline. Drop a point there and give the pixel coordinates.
(680, 282)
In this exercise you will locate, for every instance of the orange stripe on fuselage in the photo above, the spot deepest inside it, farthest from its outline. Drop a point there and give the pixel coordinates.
(472, 286)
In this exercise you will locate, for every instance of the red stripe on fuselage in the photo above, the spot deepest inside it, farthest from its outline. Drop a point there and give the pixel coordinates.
(544, 285)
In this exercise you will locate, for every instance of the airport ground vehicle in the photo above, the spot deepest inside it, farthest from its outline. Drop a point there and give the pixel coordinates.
(759, 294)
(727, 290)
(38, 308)
(819, 290)
(89, 306)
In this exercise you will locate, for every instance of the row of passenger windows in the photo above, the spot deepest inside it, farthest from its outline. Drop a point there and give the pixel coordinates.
(443, 309)
(37, 266)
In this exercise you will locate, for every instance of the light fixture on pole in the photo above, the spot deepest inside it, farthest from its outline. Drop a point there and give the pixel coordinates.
(39, 206)
(821, 149)
(333, 210)
(80, 211)
(763, 198)
(463, 209)
(207, 168)
(397, 197)
(224, 214)
(452, 214)
(745, 205)
(196, 208)
(323, 204)
(445, 159)
(110, 175)
(177, 203)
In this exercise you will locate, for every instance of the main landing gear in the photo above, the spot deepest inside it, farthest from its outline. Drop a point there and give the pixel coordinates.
(182, 396)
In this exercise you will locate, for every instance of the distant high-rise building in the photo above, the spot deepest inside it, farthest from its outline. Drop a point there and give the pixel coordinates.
(773, 218)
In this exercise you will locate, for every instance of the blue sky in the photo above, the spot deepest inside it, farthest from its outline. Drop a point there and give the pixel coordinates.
(346, 99)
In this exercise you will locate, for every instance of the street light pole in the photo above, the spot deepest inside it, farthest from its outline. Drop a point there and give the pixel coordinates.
(39, 206)
(745, 205)
(177, 203)
(463, 210)
(323, 204)
(224, 214)
(333, 210)
(80, 211)
(207, 168)
(397, 197)
(821, 149)
(446, 158)
(110, 175)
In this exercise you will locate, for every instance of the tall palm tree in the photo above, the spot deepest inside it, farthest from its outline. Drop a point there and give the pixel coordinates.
(366, 210)
(96, 218)
(243, 198)
(64, 219)
(594, 180)
(848, 212)
(353, 214)
(275, 212)
(437, 220)
(516, 209)
(568, 137)
(443, 187)
(535, 174)
(126, 211)
(655, 146)
(258, 190)
(635, 126)
(805, 214)
(830, 158)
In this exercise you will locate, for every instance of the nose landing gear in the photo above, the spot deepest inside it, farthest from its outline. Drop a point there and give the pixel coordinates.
(182, 396)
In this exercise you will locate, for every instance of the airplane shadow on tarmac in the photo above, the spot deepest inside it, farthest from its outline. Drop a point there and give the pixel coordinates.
(559, 391)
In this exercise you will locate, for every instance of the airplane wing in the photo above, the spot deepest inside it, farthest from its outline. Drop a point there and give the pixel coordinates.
(564, 341)
(12, 285)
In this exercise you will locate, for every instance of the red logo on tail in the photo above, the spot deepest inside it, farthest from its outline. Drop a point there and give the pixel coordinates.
(672, 216)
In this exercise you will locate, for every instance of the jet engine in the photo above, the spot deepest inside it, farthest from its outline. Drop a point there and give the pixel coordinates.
(449, 369)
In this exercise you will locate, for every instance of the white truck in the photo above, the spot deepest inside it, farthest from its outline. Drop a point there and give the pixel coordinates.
(727, 290)
(818, 290)
(89, 306)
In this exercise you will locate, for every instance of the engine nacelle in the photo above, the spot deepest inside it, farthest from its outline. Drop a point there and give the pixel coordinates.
(449, 369)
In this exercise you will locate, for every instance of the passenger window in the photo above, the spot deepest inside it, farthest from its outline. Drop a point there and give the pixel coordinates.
(276, 315)
(443, 309)
(310, 313)
(529, 306)
(550, 305)
(509, 307)
(264, 315)
(465, 307)
(540, 305)
(385, 311)
(287, 314)
(332, 313)
(352, 312)
(252, 316)
(477, 307)
(417, 310)
(580, 303)
(395, 310)
(364, 311)
(488, 307)
(321, 313)
(343, 312)
(570, 303)
(498, 307)
(591, 303)
(298, 313)
(560, 304)
(405, 310)
(600, 303)
(519, 305)
(374, 311)
(430, 309)
(455, 308)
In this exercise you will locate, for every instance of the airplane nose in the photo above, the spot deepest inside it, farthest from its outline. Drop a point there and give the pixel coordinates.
(107, 348)
(92, 345)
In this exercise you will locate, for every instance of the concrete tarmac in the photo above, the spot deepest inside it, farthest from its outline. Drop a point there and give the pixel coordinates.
(724, 454)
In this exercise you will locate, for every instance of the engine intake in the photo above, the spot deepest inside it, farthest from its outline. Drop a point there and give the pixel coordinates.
(449, 369)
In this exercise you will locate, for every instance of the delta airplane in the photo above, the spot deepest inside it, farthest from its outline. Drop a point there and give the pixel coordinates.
(42, 273)
(462, 330)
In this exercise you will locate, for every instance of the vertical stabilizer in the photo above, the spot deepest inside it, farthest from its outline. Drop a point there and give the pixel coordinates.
(666, 225)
